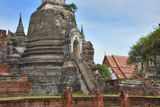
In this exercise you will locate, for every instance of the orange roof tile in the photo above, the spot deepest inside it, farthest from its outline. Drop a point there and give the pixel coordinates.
(111, 61)
(119, 66)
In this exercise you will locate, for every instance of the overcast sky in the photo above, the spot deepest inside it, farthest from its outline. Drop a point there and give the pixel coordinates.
(113, 26)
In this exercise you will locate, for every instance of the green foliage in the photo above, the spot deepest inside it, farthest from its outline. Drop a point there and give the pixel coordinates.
(146, 46)
(146, 49)
(104, 71)
(13, 42)
(72, 7)
(27, 97)
(137, 52)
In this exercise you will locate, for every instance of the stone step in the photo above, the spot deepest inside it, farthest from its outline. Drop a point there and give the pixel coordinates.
(44, 39)
(47, 38)
(45, 43)
(48, 65)
(43, 71)
(56, 61)
(33, 51)
(41, 53)
(46, 79)
(51, 55)
(45, 48)
(85, 73)
(56, 64)
(52, 74)
(45, 56)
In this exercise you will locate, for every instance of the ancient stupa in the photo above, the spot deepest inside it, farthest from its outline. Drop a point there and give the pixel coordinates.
(56, 52)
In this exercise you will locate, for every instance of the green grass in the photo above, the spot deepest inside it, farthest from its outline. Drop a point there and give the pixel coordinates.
(116, 95)
(147, 96)
(56, 97)
(27, 97)
(111, 95)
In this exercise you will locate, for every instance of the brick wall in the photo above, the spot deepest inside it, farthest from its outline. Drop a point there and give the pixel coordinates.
(3, 38)
(15, 86)
(4, 69)
(79, 102)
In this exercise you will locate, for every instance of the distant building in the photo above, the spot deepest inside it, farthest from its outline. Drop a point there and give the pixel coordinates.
(119, 67)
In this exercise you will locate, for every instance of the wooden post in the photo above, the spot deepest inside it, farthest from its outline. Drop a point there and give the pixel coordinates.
(98, 101)
(67, 99)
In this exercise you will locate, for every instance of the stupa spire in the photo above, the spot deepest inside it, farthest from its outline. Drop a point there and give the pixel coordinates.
(20, 28)
(82, 29)
(20, 20)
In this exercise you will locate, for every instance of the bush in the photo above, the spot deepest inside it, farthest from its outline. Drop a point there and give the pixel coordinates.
(72, 7)
(104, 71)
(13, 42)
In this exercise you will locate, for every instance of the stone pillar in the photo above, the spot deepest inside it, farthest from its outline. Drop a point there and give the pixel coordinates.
(124, 98)
(98, 101)
(67, 99)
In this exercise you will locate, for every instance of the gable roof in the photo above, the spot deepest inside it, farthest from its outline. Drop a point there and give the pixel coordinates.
(119, 66)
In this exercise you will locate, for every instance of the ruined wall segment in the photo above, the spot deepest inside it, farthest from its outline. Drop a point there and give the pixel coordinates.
(3, 45)
(3, 38)
(14, 85)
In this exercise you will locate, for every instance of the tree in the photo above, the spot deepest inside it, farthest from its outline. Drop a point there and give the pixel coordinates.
(104, 71)
(72, 7)
(146, 50)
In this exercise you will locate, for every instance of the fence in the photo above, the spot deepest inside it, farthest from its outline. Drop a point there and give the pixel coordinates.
(97, 100)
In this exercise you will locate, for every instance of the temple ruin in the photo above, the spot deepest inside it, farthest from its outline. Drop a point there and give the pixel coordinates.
(57, 53)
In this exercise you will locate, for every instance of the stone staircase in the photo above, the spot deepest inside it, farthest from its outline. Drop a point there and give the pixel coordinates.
(86, 75)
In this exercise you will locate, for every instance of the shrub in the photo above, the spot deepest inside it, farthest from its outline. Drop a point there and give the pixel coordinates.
(104, 71)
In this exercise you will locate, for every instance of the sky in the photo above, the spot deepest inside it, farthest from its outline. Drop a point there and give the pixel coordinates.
(113, 26)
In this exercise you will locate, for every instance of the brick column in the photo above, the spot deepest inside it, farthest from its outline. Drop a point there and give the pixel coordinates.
(150, 105)
(124, 98)
(67, 99)
(98, 101)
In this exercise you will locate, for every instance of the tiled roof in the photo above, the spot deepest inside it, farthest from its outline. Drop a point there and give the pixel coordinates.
(119, 66)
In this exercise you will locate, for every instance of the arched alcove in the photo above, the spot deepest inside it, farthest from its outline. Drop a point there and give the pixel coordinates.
(76, 49)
